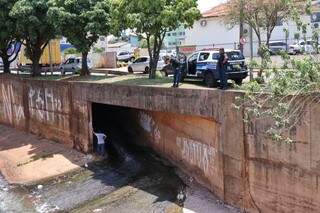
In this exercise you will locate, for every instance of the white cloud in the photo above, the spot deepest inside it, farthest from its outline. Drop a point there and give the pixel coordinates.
(208, 4)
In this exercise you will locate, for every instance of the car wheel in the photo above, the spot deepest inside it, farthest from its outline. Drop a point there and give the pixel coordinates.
(210, 80)
(132, 59)
(238, 81)
(146, 70)
(130, 70)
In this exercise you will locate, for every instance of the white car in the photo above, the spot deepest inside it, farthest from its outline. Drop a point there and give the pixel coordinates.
(73, 65)
(142, 65)
(302, 47)
(125, 56)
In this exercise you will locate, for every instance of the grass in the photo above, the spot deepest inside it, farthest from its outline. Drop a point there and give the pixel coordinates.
(130, 79)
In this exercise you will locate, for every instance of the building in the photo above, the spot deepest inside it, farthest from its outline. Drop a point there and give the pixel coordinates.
(212, 31)
(175, 38)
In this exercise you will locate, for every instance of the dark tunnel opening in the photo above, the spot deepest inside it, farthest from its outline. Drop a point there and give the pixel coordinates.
(120, 128)
(123, 130)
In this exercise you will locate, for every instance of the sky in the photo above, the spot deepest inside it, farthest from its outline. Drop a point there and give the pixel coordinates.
(208, 4)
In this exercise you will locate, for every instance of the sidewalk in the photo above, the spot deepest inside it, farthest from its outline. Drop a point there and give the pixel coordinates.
(27, 159)
(112, 71)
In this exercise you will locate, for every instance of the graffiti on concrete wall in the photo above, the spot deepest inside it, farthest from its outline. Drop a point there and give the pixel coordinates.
(11, 111)
(197, 153)
(43, 104)
(150, 126)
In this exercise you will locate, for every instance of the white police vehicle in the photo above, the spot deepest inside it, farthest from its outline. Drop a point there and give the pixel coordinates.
(204, 64)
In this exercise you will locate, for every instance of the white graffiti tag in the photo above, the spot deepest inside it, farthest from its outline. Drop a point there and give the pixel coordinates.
(149, 125)
(11, 110)
(44, 105)
(146, 121)
(197, 154)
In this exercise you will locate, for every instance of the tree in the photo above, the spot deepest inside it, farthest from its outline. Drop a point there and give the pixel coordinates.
(82, 22)
(34, 27)
(9, 40)
(261, 15)
(151, 19)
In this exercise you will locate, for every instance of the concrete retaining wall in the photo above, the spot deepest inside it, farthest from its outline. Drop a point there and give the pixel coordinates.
(45, 108)
(198, 130)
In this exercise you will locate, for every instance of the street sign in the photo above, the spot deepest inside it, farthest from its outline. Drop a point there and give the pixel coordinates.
(243, 41)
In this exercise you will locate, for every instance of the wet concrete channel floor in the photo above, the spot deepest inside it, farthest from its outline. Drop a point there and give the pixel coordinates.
(130, 180)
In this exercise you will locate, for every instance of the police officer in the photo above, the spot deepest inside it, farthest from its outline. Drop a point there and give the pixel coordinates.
(222, 65)
(177, 72)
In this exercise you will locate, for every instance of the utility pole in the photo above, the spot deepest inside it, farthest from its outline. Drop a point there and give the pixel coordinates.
(241, 28)
(251, 52)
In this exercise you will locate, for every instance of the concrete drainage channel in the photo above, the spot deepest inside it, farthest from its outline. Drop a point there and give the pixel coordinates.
(132, 178)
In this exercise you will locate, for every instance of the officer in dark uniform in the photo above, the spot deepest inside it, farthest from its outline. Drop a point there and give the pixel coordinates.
(222, 66)
(177, 72)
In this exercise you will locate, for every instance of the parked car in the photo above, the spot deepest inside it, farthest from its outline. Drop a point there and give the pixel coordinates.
(142, 65)
(125, 56)
(203, 65)
(73, 65)
(302, 46)
(276, 47)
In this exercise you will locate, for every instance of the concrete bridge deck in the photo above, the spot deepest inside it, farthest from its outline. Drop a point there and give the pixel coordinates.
(198, 130)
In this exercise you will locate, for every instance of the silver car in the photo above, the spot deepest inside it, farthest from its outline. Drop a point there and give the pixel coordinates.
(142, 65)
(73, 65)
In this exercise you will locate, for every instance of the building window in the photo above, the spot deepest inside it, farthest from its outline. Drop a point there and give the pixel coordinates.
(174, 34)
(315, 17)
(102, 38)
(168, 34)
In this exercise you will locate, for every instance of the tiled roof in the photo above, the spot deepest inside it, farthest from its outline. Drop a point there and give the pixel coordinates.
(220, 10)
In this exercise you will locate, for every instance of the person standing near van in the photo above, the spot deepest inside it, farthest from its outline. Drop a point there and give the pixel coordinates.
(101, 150)
(177, 72)
(222, 65)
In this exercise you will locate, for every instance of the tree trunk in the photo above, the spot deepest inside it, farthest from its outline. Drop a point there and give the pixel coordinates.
(6, 64)
(153, 68)
(36, 69)
(35, 58)
(85, 69)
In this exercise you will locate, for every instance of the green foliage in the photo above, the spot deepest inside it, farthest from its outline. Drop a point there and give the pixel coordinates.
(71, 51)
(153, 18)
(284, 97)
(35, 28)
(287, 93)
(98, 50)
(82, 22)
(262, 16)
(8, 33)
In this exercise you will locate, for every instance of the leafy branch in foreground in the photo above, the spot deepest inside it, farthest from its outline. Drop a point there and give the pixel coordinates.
(287, 93)
(285, 97)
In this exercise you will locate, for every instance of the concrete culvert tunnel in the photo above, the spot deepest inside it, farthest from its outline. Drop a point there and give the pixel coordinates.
(189, 143)
(138, 162)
